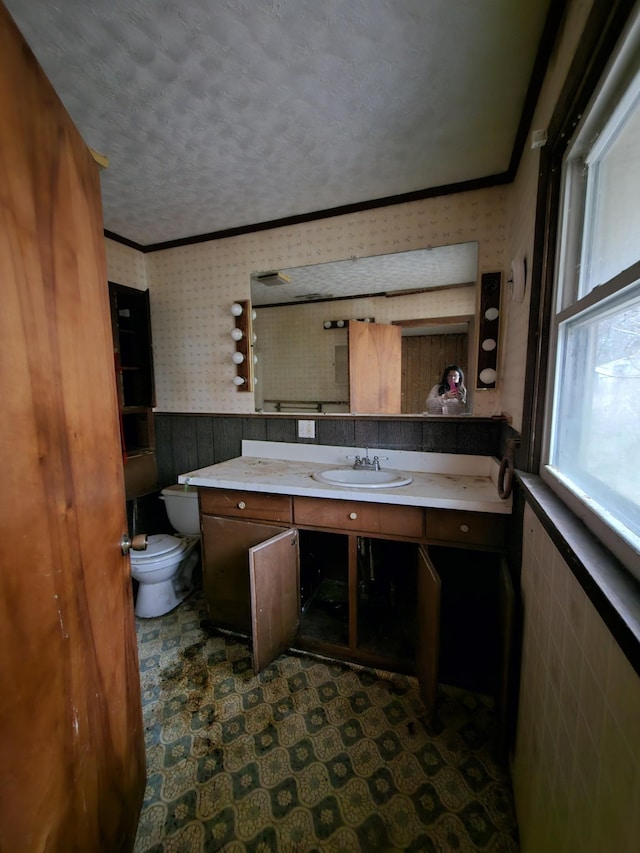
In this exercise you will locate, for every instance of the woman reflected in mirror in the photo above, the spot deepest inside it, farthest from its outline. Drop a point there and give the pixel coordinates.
(449, 396)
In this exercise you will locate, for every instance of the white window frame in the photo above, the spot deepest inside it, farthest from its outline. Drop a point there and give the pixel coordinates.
(617, 94)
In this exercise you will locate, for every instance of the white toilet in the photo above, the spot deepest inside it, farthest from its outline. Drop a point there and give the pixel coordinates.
(165, 570)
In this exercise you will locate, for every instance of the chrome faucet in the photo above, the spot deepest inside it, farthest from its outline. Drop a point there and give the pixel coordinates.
(363, 463)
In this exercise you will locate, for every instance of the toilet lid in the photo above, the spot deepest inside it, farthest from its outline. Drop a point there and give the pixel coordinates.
(158, 545)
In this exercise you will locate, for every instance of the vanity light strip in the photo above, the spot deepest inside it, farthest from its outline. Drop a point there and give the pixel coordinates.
(242, 334)
(343, 324)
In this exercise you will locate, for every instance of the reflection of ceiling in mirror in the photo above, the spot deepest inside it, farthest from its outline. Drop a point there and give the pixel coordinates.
(416, 270)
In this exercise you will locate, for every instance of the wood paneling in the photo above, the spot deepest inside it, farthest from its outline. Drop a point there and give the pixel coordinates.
(367, 433)
(185, 440)
(71, 735)
(401, 435)
(424, 357)
(204, 442)
(227, 437)
(281, 429)
(222, 435)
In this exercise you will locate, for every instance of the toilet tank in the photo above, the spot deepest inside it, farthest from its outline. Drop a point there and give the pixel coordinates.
(181, 503)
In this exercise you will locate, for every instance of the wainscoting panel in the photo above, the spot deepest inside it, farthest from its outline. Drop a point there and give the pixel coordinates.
(186, 441)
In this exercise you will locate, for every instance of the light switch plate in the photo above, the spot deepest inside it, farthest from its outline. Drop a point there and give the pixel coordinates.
(306, 429)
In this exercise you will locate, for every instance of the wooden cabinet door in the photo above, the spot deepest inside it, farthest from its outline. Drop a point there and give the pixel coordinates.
(375, 368)
(275, 596)
(226, 544)
(428, 650)
(71, 732)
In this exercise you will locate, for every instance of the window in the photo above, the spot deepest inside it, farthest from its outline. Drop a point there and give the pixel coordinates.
(593, 423)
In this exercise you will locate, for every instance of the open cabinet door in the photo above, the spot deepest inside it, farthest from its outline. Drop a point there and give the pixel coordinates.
(428, 629)
(375, 368)
(275, 596)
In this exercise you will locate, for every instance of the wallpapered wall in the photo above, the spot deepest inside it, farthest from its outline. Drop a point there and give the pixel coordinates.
(523, 210)
(577, 766)
(192, 287)
(126, 266)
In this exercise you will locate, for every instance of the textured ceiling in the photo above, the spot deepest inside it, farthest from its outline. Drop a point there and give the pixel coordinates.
(220, 114)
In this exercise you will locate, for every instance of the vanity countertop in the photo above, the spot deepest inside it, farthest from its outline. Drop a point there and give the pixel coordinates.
(442, 480)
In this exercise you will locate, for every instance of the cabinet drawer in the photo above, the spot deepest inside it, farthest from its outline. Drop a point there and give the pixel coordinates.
(466, 528)
(241, 504)
(406, 521)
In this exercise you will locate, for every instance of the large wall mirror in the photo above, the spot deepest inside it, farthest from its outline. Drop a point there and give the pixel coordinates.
(303, 362)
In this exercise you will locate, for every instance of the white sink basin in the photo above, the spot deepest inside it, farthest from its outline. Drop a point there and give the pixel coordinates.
(352, 478)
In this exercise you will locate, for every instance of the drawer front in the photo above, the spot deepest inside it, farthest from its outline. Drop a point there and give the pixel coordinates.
(466, 528)
(406, 521)
(241, 504)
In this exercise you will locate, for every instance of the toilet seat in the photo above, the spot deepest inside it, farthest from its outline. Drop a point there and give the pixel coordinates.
(162, 549)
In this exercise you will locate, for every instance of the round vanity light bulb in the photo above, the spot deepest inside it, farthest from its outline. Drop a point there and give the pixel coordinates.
(255, 359)
(254, 315)
(238, 380)
(488, 375)
(488, 345)
(254, 338)
(340, 323)
(237, 358)
(491, 313)
(236, 309)
(236, 334)
(327, 324)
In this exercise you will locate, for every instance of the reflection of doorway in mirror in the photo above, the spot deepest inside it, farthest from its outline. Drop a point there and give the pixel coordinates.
(375, 369)
(424, 357)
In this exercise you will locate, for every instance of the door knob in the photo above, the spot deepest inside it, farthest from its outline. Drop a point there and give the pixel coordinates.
(138, 543)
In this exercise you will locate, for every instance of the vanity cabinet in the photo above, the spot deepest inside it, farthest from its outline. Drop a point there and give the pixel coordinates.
(251, 568)
(391, 586)
(465, 529)
(360, 516)
(237, 503)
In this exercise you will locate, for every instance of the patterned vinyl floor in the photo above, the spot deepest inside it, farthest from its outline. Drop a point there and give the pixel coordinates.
(310, 755)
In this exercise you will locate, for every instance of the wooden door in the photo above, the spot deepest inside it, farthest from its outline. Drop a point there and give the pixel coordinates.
(375, 368)
(428, 651)
(71, 736)
(275, 596)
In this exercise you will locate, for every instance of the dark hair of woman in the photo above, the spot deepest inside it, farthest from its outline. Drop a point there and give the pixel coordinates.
(444, 383)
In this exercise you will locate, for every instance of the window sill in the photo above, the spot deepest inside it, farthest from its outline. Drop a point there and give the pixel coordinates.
(613, 591)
